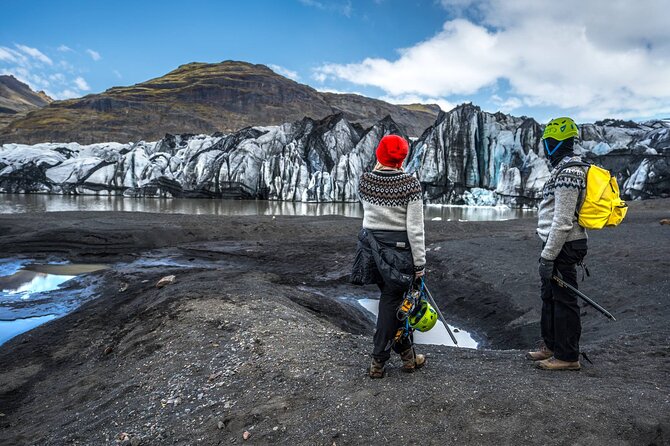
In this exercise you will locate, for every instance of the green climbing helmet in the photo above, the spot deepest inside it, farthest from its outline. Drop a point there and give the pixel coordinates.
(560, 129)
(425, 318)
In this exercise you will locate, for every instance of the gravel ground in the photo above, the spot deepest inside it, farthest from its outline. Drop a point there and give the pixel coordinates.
(252, 341)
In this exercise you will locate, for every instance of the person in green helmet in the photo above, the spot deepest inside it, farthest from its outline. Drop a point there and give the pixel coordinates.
(564, 247)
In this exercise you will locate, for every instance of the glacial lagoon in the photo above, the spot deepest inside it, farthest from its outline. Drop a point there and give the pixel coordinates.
(22, 203)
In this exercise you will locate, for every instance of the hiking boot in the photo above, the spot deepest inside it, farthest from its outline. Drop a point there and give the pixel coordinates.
(376, 369)
(411, 361)
(540, 354)
(557, 364)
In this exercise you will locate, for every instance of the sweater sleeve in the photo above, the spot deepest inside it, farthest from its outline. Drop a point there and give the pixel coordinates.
(569, 184)
(415, 233)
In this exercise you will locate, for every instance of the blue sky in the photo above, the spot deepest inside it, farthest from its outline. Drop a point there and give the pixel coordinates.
(590, 60)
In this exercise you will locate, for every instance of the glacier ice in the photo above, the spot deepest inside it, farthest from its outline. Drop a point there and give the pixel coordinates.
(467, 157)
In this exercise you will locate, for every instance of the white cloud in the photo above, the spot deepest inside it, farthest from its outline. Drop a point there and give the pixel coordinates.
(34, 53)
(66, 94)
(64, 49)
(10, 55)
(59, 79)
(117, 74)
(508, 104)
(341, 7)
(81, 84)
(597, 58)
(285, 72)
(337, 91)
(459, 60)
(415, 99)
(94, 54)
(33, 80)
(67, 66)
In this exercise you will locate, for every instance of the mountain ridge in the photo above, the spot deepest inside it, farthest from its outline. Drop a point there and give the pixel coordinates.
(202, 98)
(17, 99)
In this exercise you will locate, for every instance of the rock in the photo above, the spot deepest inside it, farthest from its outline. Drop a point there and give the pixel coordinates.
(665, 221)
(108, 350)
(220, 424)
(246, 435)
(123, 287)
(214, 376)
(135, 441)
(165, 281)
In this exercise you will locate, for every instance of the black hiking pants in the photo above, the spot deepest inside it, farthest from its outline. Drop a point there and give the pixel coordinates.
(560, 322)
(388, 324)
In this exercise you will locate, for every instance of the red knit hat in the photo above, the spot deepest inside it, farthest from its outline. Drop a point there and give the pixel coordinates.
(392, 150)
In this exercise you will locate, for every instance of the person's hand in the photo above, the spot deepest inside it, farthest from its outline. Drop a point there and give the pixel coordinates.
(546, 268)
(418, 274)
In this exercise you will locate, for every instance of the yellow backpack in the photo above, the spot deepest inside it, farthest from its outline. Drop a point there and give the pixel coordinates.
(602, 204)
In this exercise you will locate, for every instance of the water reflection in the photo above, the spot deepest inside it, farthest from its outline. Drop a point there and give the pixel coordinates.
(22, 203)
(437, 335)
(31, 294)
(24, 283)
(9, 329)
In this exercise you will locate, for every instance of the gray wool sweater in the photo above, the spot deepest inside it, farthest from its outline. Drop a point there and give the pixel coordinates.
(392, 202)
(557, 215)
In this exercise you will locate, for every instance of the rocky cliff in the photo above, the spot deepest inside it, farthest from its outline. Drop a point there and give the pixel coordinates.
(202, 98)
(17, 99)
(467, 157)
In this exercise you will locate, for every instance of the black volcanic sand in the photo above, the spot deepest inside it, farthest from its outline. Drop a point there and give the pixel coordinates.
(252, 337)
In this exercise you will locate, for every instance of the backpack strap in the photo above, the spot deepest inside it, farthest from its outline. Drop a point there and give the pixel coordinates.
(575, 163)
(571, 164)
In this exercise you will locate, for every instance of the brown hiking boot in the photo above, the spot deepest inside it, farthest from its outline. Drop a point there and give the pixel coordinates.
(540, 354)
(376, 369)
(411, 361)
(557, 364)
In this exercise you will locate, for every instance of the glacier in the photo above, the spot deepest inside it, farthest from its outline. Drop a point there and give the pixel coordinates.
(466, 157)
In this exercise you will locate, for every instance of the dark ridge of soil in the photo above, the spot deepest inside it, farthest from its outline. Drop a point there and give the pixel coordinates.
(253, 338)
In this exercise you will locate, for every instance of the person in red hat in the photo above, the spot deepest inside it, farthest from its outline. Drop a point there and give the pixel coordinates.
(391, 248)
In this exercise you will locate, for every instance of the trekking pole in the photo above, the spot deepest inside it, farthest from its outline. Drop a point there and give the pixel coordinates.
(439, 313)
(586, 298)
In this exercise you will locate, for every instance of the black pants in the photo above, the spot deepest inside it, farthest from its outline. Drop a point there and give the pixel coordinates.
(560, 322)
(388, 324)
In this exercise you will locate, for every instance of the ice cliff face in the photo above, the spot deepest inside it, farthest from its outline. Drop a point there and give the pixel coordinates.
(466, 157)
(472, 157)
(302, 161)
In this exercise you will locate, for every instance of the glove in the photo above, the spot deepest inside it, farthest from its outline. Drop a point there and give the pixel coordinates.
(419, 271)
(546, 268)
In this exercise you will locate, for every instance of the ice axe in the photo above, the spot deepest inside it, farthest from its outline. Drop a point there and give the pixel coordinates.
(439, 313)
(586, 298)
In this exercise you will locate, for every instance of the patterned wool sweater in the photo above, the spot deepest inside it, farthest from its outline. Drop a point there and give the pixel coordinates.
(392, 202)
(557, 214)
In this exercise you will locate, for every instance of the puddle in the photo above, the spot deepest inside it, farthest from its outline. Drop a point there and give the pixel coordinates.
(9, 329)
(437, 336)
(32, 294)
